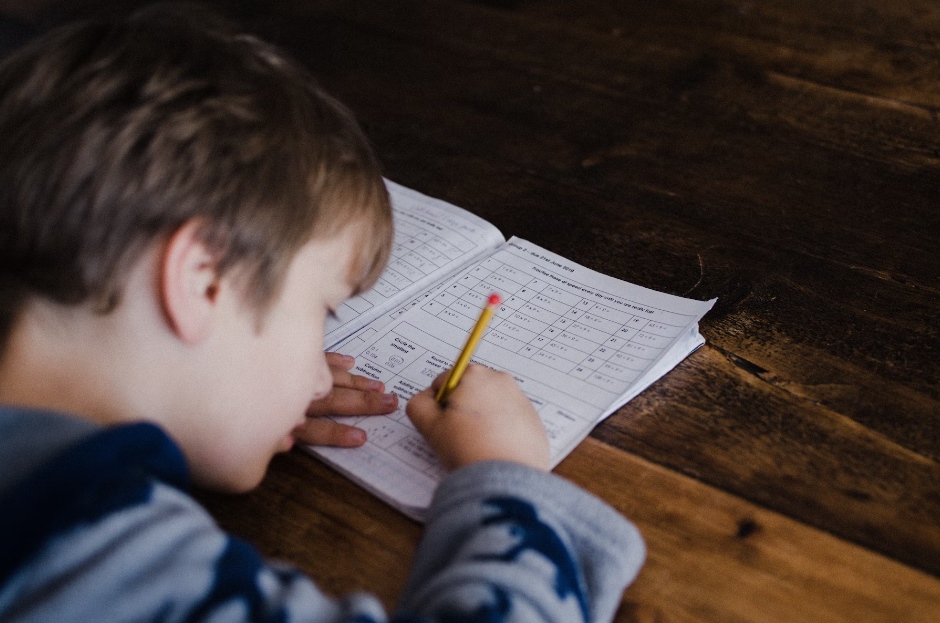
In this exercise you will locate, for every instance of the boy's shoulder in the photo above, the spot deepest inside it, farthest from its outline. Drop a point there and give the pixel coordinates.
(45, 445)
(30, 438)
(97, 529)
(65, 472)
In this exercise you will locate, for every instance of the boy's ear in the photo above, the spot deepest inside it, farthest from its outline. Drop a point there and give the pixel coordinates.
(189, 283)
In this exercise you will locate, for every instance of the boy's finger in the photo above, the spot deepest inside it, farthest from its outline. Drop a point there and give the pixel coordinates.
(422, 408)
(439, 380)
(337, 360)
(346, 401)
(342, 378)
(423, 404)
(363, 383)
(320, 432)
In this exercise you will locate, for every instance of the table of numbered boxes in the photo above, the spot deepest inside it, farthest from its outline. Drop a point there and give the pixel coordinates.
(598, 350)
(430, 243)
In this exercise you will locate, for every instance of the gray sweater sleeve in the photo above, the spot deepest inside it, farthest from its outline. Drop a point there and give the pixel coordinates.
(528, 545)
(502, 543)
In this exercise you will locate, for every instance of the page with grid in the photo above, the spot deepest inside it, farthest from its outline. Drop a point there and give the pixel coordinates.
(432, 240)
(579, 343)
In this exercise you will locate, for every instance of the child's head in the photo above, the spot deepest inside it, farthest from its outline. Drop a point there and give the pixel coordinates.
(114, 135)
(120, 139)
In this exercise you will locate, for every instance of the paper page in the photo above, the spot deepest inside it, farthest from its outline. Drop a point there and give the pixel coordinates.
(579, 343)
(432, 240)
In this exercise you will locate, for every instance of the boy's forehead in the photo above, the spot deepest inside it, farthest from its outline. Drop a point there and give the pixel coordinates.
(339, 254)
(358, 251)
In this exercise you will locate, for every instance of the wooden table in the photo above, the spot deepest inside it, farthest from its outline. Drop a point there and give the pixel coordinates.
(783, 156)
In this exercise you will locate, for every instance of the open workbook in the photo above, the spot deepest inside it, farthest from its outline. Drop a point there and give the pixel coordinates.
(581, 344)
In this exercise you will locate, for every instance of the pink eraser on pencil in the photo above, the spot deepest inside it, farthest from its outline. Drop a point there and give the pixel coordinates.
(495, 299)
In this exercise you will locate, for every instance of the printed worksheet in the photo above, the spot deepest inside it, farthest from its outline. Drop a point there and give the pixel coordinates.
(433, 239)
(579, 343)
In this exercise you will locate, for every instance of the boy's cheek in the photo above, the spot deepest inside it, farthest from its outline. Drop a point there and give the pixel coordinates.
(247, 475)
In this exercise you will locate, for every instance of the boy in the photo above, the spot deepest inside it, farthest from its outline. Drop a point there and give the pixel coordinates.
(180, 209)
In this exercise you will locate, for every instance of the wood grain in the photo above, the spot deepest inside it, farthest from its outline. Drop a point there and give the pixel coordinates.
(726, 178)
(781, 155)
(711, 555)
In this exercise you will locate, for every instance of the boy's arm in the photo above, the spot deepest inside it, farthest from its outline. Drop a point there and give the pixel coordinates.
(103, 533)
(502, 544)
(506, 541)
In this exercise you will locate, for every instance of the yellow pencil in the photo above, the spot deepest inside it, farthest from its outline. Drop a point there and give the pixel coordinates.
(464, 358)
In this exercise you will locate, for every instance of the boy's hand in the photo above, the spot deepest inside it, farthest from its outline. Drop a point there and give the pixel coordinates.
(487, 417)
(351, 395)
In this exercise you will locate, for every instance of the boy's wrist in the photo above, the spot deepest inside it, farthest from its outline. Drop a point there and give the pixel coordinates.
(557, 495)
(608, 548)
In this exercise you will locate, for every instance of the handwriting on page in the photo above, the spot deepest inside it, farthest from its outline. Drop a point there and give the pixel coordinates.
(433, 239)
(420, 249)
(571, 354)
(574, 334)
(579, 343)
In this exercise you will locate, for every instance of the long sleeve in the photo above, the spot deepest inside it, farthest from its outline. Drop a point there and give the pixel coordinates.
(517, 544)
(105, 532)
